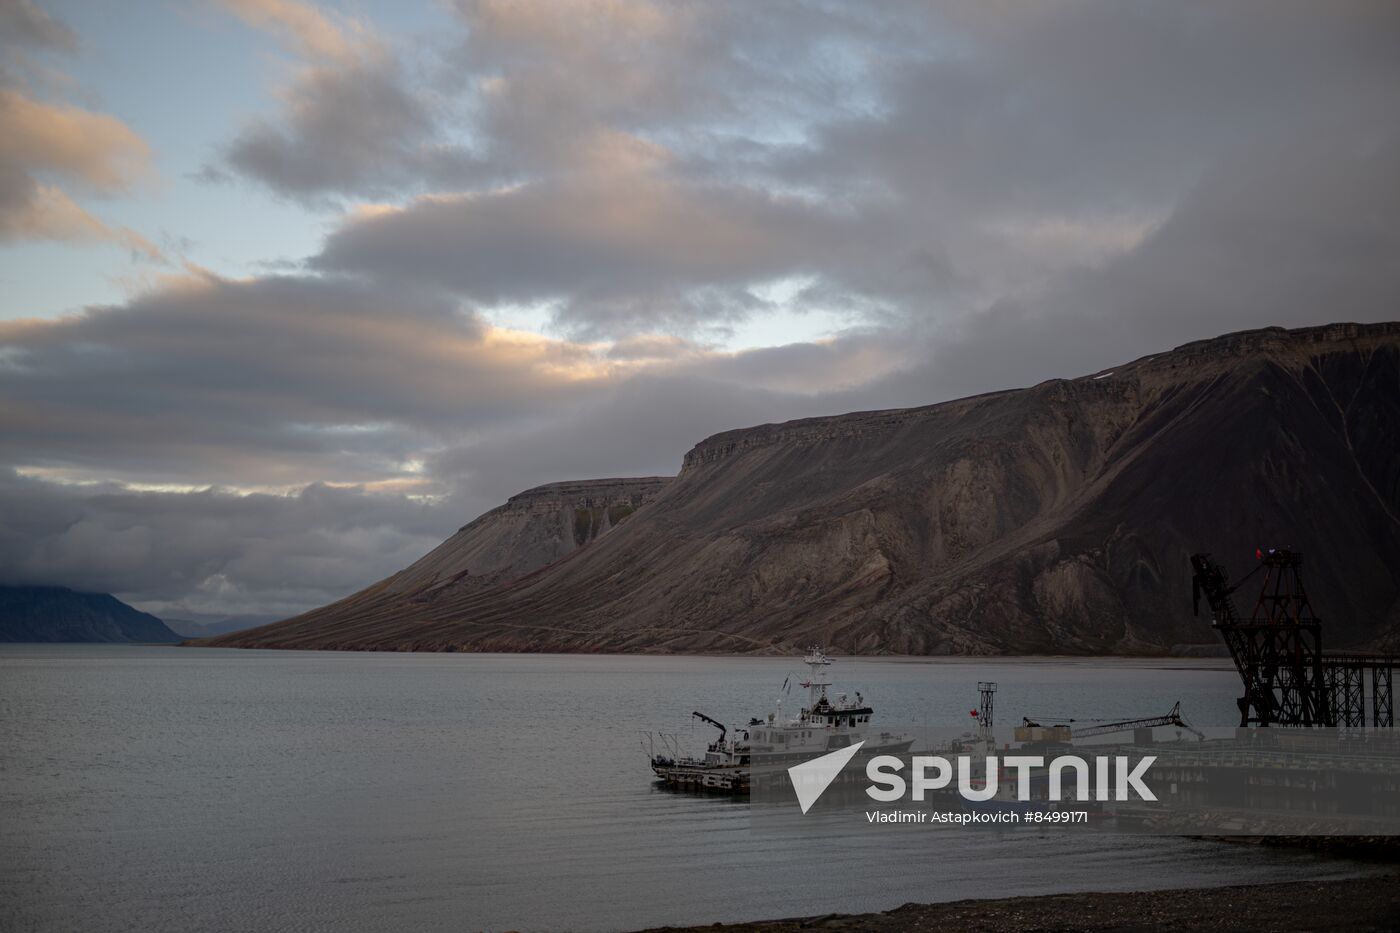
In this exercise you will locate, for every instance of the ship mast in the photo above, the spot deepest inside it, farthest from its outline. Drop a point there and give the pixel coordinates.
(816, 660)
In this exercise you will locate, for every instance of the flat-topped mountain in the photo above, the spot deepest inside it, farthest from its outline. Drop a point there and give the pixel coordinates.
(1056, 518)
(58, 614)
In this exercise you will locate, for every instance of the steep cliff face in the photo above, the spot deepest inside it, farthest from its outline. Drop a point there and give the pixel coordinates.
(532, 530)
(535, 528)
(1057, 518)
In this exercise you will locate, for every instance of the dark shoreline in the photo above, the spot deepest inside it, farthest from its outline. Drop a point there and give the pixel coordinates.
(1352, 904)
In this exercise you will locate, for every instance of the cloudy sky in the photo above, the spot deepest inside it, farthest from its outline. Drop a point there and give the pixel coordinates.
(289, 291)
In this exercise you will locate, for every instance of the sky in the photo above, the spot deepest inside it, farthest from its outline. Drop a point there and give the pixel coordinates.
(289, 291)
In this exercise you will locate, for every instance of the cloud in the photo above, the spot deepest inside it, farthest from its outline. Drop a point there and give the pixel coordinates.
(549, 78)
(23, 25)
(671, 162)
(351, 128)
(621, 247)
(209, 551)
(640, 426)
(1085, 120)
(93, 149)
(90, 150)
(46, 146)
(349, 121)
(268, 381)
(32, 211)
(1292, 235)
(302, 26)
(529, 90)
(279, 381)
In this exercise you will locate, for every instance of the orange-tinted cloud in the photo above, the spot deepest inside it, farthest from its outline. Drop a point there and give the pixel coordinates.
(45, 146)
(94, 149)
(302, 26)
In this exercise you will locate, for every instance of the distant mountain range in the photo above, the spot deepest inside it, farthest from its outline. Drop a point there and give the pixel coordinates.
(207, 626)
(1053, 519)
(57, 614)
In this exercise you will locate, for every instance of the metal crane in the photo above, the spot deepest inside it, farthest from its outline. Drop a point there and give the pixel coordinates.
(1172, 718)
(1278, 649)
(1288, 679)
(723, 729)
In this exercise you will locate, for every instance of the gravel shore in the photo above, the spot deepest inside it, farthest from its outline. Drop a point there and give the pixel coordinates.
(1354, 904)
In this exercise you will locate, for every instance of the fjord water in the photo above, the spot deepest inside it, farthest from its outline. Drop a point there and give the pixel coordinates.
(161, 788)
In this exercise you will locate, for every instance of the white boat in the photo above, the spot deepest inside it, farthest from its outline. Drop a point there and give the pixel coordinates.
(823, 725)
(724, 768)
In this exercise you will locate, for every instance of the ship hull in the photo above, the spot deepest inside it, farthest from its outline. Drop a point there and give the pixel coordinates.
(719, 780)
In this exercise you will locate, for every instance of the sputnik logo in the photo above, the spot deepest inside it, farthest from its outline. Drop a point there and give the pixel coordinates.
(811, 778)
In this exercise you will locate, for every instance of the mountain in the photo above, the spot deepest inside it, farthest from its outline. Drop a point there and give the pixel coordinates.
(532, 530)
(1051, 519)
(207, 626)
(54, 613)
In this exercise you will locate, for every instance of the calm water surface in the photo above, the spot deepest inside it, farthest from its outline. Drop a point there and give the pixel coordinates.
(154, 788)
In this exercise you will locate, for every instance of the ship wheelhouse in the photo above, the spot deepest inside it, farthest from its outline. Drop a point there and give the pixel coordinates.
(848, 717)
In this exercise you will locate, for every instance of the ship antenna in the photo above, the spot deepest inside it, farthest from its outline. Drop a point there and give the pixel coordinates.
(816, 660)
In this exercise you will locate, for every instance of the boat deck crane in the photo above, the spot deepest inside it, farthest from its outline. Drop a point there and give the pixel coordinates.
(1171, 718)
